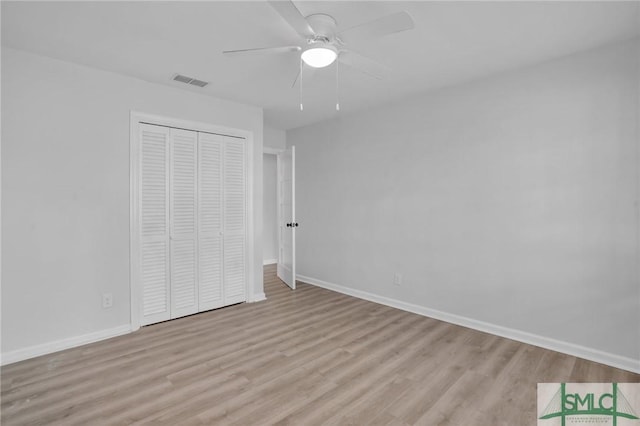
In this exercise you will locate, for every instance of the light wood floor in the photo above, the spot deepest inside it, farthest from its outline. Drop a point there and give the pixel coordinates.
(303, 357)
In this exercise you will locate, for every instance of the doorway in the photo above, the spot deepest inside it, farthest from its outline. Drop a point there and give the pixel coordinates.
(279, 224)
(270, 209)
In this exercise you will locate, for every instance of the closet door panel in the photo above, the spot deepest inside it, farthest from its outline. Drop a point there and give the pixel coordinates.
(183, 183)
(234, 161)
(153, 220)
(183, 278)
(154, 277)
(184, 283)
(234, 269)
(211, 289)
(210, 228)
(234, 186)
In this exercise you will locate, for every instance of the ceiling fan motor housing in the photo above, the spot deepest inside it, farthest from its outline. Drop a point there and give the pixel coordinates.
(324, 27)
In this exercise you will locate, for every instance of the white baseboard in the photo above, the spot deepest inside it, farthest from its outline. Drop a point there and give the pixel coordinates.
(58, 345)
(269, 261)
(579, 351)
(258, 297)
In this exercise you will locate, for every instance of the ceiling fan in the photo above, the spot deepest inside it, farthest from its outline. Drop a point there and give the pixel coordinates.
(324, 43)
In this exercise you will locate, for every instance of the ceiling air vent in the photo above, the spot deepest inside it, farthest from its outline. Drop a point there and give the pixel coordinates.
(198, 83)
(189, 80)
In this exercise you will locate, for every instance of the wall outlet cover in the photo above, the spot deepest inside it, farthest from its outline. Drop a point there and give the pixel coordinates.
(397, 278)
(107, 300)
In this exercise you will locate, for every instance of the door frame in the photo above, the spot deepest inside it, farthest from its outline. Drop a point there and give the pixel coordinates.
(272, 151)
(137, 117)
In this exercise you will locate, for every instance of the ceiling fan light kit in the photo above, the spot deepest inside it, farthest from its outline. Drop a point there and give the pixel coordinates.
(320, 57)
(326, 45)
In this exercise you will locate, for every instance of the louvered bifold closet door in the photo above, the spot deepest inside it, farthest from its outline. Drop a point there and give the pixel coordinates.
(183, 181)
(234, 244)
(210, 220)
(153, 220)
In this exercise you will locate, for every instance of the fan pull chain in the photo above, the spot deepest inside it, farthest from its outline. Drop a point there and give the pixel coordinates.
(301, 106)
(337, 87)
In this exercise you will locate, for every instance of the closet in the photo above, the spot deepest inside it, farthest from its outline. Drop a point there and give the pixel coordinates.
(191, 223)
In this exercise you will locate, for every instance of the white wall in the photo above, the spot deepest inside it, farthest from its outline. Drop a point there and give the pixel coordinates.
(269, 209)
(275, 139)
(65, 189)
(511, 200)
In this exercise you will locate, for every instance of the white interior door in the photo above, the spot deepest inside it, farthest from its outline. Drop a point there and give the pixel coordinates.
(153, 219)
(210, 220)
(287, 217)
(183, 183)
(235, 219)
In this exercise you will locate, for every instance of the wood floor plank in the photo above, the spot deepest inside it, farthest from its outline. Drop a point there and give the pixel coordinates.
(303, 357)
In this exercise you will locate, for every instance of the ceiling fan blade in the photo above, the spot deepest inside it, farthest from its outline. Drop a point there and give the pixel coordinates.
(363, 64)
(294, 18)
(263, 50)
(386, 25)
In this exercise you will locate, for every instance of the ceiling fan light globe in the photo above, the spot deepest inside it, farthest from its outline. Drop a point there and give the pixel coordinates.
(319, 57)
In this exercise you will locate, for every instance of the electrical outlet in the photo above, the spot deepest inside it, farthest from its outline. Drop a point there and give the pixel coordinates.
(397, 278)
(107, 300)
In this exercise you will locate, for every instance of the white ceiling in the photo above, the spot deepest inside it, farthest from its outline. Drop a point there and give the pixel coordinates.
(452, 42)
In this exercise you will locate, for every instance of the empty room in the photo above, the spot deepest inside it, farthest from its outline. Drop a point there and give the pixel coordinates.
(320, 212)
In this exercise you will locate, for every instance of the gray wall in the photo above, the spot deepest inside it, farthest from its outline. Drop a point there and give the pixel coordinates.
(65, 190)
(511, 200)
